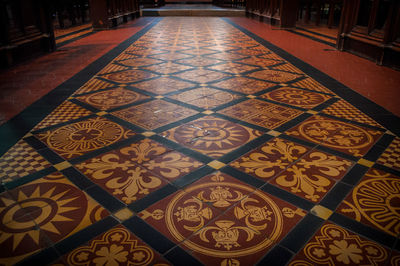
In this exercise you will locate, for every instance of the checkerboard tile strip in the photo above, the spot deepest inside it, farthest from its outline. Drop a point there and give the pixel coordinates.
(94, 85)
(19, 161)
(391, 156)
(113, 68)
(311, 85)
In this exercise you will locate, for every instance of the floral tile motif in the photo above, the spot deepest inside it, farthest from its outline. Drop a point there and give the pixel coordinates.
(345, 137)
(117, 246)
(81, 137)
(345, 110)
(261, 113)
(254, 222)
(154, 114)
(48, 208)
(270, 159)
(139, 62)
(275, 76)
(311, 84)
(334, 245)
(94, 85)
(313, 175)
(163, 85)
(167, 68)
(199, 61)
(296, 97)
(201, 75)
(19, 161)
(233, 68)
(65, 112)
(204, 97)
(129, 76)
(212, 136)
(105, 100)
(375, 202)
(132, 172)
(243, 85)
(260, 62)
(391, 156)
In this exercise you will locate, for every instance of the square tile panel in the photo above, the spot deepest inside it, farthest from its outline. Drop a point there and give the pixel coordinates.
(167, 68)
(140, 62)
(19, 161)
(81, 137)
(375, 201)
(212, 136)
(334, 245)
(313, 175)
(311, 84)
(109, 99)
(48, 209)
(199, 61)
(296, 97)
(243, 85)
(260, 62)
(261, 113)
(132, 172)
(154, 114)
(205, 97)
(233, 68)
(202, 75)
(114, 247)
(391, 156)
(129, 76)
(163, 85)
(335, 134)
(274, 76)
(270, 159)
(94, 84)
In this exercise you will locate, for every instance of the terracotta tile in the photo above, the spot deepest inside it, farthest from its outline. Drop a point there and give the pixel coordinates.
(171, 56)
(201, 75)
(129, 76)
(266, 115)
(139, 62)
(275, 76)
(233, 68)
(228, 56)
(115, 246)
(105, 100)
(313, 175)
(341, 136)
(79, 138)
(111, 68)
(270, 159)
(163, 85)
(167, 68)
(296, 97)
(391, 156)
(335, 245)
(154, 114)
(199, 61)
(260, 62)
(243, 85)
(311, 84)
(19, 161)
(374, 202)
(212, 136)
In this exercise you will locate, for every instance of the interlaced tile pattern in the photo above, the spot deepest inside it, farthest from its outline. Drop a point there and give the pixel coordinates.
(199, 145)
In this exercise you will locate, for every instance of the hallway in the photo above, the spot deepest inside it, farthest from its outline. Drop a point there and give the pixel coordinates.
(190, 141)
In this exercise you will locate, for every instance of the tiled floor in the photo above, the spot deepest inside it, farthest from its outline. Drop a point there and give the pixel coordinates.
(197, 142)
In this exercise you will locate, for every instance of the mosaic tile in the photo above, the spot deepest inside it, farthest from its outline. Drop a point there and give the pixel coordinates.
(311, 84)
(375, 202)
(275, 76)
(19, 161)
(391, 156)
(140, 62)
(212, 136)
(270, 159)
(130, 173)
(167, 68)
(233, 68)
(261, 113)
(65, 112)
(260, 62)
(228, 56)
(116, 246)
(81, 137)
(334, 245)
(313, 175)
(345, 110)
(296, 97)
(105, 100)
(129, 76)
(171, 56)
(243, 85)
(243, 234)
(341, 136)
(204, 97)
(201, 75)
(154, 114)
(163, 85)
(199, 61)
(54, 209)
(94, 85)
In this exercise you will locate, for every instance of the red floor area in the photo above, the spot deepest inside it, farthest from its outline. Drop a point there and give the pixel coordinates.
(377, 83)
(25, 83)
